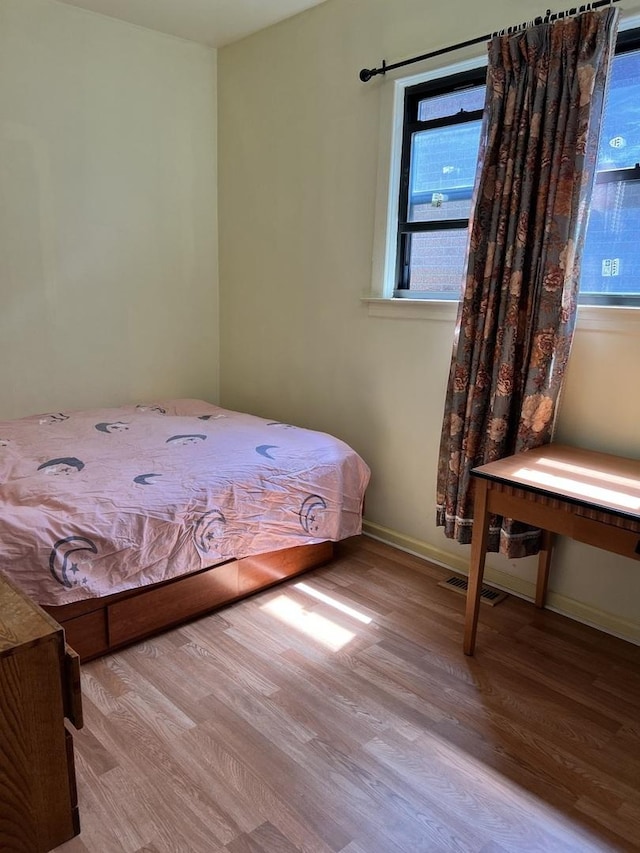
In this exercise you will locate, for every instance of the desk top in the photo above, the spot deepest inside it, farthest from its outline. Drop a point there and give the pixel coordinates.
(585, 477)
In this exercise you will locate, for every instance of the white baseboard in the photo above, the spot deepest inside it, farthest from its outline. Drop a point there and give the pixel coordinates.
(585, 613)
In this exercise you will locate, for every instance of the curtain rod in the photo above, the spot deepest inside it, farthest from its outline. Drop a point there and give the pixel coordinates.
(367, 73)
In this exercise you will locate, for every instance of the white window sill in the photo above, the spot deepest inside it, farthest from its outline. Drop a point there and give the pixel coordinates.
(609, 318)
(605, 318)
(412, 309)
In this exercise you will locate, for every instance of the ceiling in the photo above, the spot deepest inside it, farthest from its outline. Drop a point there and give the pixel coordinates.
(213, 22)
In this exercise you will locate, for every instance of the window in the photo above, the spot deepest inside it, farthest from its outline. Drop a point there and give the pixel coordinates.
(611, 259)
(439, 156)
(441, 134)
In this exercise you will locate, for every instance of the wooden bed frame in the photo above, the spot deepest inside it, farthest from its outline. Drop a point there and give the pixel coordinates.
(100, 625)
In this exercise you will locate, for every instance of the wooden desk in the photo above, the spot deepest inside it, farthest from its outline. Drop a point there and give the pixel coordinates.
(591, 497)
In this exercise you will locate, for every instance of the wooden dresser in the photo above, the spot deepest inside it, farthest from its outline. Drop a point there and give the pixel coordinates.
(39, 687)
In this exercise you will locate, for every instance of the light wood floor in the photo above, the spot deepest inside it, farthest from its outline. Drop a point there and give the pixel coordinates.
(337, 713)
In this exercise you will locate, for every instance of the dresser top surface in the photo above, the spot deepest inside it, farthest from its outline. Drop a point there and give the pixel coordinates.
(21, 621)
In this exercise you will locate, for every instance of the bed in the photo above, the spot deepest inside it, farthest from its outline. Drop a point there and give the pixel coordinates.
(122, 522)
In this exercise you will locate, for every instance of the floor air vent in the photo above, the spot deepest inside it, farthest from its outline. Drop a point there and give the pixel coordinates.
(487, 594)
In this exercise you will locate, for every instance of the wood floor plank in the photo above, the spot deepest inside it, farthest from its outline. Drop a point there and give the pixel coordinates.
(165, 790)
(336, 713)
(265, 787)
(266, 838)
(518, 820)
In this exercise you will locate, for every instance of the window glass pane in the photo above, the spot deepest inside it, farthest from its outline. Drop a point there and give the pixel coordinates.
(442, 174)
(437, 263)
(443, 106)
(611, 257)
(620, 135)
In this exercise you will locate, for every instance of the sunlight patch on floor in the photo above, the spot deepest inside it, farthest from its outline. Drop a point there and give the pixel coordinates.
(333, 602)
(318, 627)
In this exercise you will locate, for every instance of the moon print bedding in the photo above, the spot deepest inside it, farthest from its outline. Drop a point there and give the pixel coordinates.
(98, 502)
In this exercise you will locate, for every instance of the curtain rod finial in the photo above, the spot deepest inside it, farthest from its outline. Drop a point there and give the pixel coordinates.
(367, 73)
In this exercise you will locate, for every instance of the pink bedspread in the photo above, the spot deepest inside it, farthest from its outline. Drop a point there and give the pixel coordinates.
(96, 502)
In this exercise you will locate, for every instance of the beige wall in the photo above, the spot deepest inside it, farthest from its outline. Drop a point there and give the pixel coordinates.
(108, 255)
(298, 164)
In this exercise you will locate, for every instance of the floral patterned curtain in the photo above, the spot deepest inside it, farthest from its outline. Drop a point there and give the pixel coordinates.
(546, 89)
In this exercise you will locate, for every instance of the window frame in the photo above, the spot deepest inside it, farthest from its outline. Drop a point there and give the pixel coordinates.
(413, 95)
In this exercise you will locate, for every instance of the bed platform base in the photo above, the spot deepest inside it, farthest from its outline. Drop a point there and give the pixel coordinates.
(101, 625)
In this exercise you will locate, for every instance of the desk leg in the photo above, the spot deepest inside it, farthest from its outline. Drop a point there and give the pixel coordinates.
(544, 564)
(476, 565)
